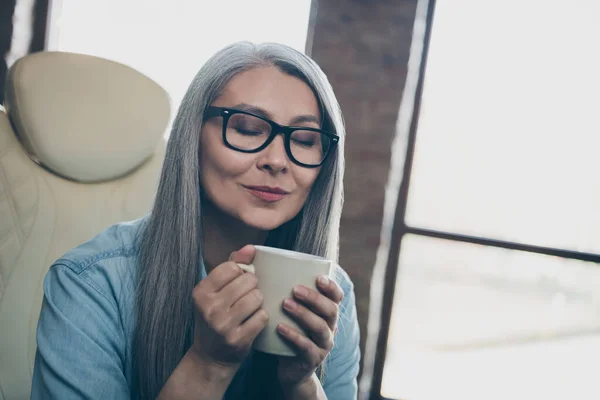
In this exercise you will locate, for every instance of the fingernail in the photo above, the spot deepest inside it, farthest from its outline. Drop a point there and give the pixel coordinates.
(301, 292)
(289, 304)
(323, 280)
(282, 328)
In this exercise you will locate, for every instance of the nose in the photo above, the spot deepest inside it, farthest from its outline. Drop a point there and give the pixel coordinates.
(274, 158)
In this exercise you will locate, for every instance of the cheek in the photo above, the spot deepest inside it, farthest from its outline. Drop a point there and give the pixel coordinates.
(217, 161)
(305, 178)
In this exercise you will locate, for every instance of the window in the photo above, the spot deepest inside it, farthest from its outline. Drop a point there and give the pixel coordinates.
(478, 322)
(505, 169)
(170, 40)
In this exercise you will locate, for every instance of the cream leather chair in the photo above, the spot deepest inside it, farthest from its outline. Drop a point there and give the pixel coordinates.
(81, 147)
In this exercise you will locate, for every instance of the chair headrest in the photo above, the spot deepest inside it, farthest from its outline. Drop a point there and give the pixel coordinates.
(85, 118)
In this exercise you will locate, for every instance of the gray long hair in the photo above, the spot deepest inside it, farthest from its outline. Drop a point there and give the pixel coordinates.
(171, 244)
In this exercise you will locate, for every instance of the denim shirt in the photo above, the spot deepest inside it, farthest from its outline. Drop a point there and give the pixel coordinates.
(86, 325)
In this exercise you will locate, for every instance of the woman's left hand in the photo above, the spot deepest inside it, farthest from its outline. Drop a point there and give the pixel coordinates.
(317, 313)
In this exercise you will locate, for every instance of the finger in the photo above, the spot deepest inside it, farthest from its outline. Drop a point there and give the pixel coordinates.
(318, 303)
(221, 276)
(228, 271)
(306, 347)
(245, 255)
(246, 306)
(254, 325)
(238, 288)
(330, 289)
(318, 329)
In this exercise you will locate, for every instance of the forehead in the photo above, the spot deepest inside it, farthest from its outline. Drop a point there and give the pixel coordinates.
(282, 95)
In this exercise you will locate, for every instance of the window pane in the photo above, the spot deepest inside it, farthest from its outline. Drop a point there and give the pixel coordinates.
(509, 133)
(473, 322)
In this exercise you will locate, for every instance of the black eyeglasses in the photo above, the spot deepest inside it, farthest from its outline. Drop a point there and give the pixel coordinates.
(250, 133)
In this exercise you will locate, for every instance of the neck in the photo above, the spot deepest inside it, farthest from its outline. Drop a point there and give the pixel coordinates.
(223, 234)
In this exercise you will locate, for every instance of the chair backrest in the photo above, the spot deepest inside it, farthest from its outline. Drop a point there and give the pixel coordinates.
(81, 148)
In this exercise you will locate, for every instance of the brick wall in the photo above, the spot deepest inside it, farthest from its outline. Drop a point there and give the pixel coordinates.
(363, 47)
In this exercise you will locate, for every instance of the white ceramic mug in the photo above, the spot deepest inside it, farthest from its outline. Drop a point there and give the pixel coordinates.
(278, 272)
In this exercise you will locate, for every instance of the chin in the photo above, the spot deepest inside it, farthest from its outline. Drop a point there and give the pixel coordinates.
(264, 221)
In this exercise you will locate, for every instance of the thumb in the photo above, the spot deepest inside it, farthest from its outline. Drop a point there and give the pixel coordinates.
(245, 255)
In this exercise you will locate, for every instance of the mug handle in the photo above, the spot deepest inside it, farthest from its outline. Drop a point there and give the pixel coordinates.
(247, 268)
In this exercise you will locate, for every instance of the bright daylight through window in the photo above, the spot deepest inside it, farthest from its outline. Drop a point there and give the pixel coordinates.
(507, 149)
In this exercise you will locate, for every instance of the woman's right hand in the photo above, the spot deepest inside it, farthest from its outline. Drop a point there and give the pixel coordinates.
(228, 313)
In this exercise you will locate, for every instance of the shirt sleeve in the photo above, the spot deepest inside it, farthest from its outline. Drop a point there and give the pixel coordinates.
(342, 365)
(80, 339)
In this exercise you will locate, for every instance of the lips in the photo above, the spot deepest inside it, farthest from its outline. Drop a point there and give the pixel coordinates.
(268, 189)
(267, 193)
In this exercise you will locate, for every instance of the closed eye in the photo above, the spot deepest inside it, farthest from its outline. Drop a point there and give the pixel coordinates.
(306, 143)
(305, 138)
(248, 132)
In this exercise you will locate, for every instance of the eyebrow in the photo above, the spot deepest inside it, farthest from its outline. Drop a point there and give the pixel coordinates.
(264, 113)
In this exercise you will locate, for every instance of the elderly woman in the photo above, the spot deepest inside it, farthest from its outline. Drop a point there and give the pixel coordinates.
(159, 308)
